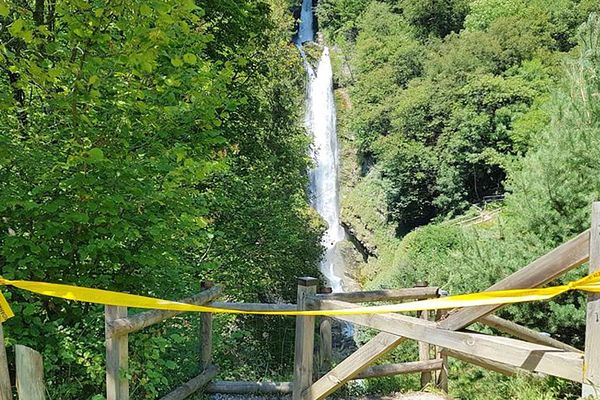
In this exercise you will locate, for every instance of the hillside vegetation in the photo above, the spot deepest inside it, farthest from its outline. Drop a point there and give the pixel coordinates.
(453, 104)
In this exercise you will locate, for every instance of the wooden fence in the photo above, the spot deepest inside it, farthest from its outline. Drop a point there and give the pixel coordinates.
(439, 336)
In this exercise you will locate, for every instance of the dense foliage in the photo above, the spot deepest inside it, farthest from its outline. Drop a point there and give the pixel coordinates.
(445, 91)
(144, 146)
(504, 104)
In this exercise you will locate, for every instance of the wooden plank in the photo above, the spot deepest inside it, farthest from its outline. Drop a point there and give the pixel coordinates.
(5, 389)
(524, 333)
(543, 270)
(30, 374)
(504, 369)
(143, 320)
(353, 365)
(117, 385)
(591, 386)
(424, 353)
(243, 387)
(378, 371)
(529, 356)
(325, 345)
(193, 385)
(304, 339)
(254, 306)
(416, 293)
(441, 378)
(206, 334)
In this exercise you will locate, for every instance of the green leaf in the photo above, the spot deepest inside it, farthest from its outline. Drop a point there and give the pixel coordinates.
(189, 58)
(95, 154)
(176, 61)
(145, 10)
(16, 26)
(4, 10)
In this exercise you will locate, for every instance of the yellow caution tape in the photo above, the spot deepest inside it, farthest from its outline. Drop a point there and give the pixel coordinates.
(590, 283)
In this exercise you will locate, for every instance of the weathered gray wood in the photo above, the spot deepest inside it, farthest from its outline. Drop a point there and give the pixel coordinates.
(206, 334)
(416, 293)
(353, 365)
(30, 374)
(524, 333)
(254, 306)
(504, 369)
(193, 385)
(441, 377)
(5, 389)
(529, 356)
(424, 353)
(143, 320)
(242, 387)
(305, 340)
(325, 345)
(117, 385)
(546, 268)
(378, 371)
(591, 386)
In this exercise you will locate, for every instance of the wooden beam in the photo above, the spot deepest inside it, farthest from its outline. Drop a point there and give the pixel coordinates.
(193, 385)
(441, 377)
(416, 293)
(543, 270)
(352, 366)
(254, 306)
(30, 374)
(5, 389)
(524, 333)
(378, 371)
(143, 320)
(591, 386)
(243, 387)
(504, 369)
(325, 345)
(304, 339)
(424, 348)
(529, 356)
(206, 334)
(117, 384)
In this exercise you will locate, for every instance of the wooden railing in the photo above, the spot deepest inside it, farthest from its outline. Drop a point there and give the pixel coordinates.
(528, 352)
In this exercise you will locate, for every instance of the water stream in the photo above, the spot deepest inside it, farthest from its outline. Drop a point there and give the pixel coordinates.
(320, 122)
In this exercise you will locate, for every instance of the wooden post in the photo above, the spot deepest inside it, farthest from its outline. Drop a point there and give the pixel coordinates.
(5, 390)
(117, 384)
(591, 365)
(326, 346)
(206, 334)
(30, 374)
(304, 341)
(424, 347)
(441, 375)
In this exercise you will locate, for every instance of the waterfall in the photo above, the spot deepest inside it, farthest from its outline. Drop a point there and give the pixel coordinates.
(320, 122)
(306, 31)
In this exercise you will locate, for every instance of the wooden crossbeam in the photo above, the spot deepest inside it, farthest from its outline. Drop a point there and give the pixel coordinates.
(524, 333)
(353, 365)
(416, 293)
(528, 356)
(504, 369)
(541, 271)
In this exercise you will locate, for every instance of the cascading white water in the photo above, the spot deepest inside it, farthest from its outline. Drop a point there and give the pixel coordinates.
(320, 121)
